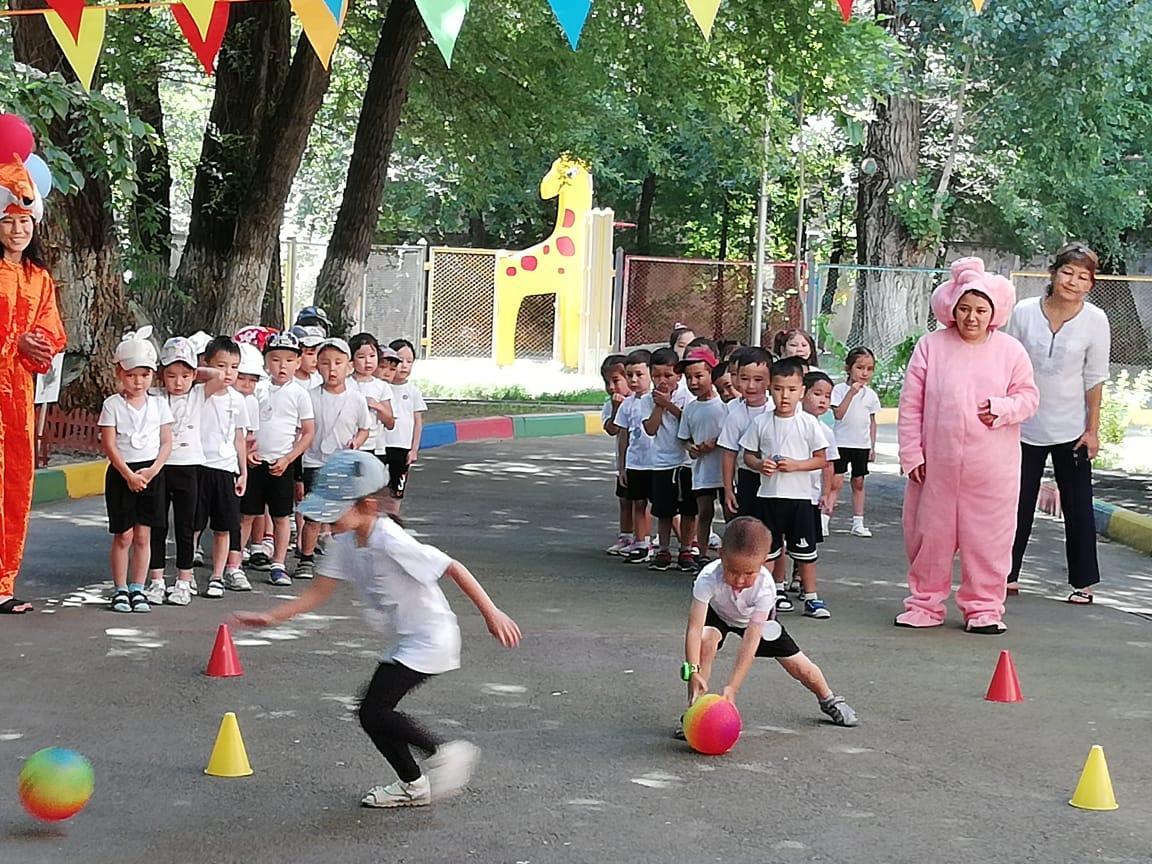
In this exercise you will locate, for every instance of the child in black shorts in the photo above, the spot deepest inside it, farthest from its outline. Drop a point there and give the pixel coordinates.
(401, 443)
(634, 451)
(616, 386)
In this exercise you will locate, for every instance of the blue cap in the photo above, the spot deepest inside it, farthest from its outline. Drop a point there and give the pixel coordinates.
(345, 478)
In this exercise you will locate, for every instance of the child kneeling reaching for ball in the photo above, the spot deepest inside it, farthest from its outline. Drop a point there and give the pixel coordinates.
(738, 595)
(397, 578)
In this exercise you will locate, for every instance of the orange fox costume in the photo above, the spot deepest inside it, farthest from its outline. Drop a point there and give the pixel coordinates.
(27, 305)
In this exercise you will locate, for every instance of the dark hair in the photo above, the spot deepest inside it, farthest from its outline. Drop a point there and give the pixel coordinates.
(1070, 253)
(397, 344)
(664, 357)
(745, 534)
(34, 252)
(678, 330)
(361, 339)
(786, 367)
(612, 361)
(703, 342)
(640, 355)
(815, 377)
(978, 293)
(855, 354)
(780, 342)
(753, 356)
(725, 348)
(221, 345)
(720, 370)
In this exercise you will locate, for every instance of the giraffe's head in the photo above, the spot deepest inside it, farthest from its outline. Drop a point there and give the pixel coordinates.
(568, 170)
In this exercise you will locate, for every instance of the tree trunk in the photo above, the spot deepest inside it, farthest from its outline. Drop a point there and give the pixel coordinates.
(81, 236)
(151, 209)
(272, 311)
(644, 215)
(342, 274)
(477, 231)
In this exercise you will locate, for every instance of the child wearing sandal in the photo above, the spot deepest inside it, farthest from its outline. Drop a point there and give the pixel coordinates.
(398, 579)
(136, 436)
(738, 595)
(855, 406)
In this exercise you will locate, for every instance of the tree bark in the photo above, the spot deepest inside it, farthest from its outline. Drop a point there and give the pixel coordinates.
(644, 215)
(342, 273)
(272, 311)
(151, 208)
(81, 238)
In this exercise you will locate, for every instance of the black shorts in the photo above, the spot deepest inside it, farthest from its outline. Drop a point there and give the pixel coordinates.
(219, 505)
(395, 459)
(793, 524)
(127, 509)
(672, 493)
(278, 494)
(857, 457)
(747, 485)
(621, 489)
(639, 484)
(781, 648)
(298, 469)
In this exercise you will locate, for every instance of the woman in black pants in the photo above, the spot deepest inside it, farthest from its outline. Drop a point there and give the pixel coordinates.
(1069, 342)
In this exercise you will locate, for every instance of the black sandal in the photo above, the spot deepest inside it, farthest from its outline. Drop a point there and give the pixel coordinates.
(12, 606)
(1080, 598)
(138, 602)
(120, 601)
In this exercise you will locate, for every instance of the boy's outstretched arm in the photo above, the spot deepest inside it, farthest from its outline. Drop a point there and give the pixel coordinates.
(749, 642)
(697, 615)
(506, 631)
(315, 595)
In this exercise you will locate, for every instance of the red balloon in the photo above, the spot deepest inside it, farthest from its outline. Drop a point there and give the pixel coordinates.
(15, 137)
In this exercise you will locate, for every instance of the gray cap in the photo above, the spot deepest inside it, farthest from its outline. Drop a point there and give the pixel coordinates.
(345, 478)
(387, 353)
(310, 336)
(178, 350)
(338, 344)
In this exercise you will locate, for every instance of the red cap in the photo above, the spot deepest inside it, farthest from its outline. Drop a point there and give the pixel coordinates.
(701, 354)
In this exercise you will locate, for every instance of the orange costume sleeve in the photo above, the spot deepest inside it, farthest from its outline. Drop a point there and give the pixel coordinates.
(27, 305)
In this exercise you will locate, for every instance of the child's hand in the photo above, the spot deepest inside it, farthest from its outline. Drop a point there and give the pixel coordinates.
(827, 503)
(697, 687)
(253, 619)
(298, 492)
(729, 693)
(253, 457)
(618, 398)
(917, 474)
(872, 455)
(241, 485)
(784, 465)
(506, 631)
(622, 477)
(767, 467)
(984, 412)
(137, 482)
(857, 386)
(413, 456)
(661, 399)
(279, 466)
(694, 450)
(730, 501)
(149, 474)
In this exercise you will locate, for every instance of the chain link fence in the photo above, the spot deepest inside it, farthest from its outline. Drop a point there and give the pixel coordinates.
(392, 303)
(461, 300)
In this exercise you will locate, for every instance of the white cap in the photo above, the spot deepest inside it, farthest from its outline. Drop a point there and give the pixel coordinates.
(338, 344)
(178, 350)
(136, 350)
(199, 341)
(251, 361)
(310, 335)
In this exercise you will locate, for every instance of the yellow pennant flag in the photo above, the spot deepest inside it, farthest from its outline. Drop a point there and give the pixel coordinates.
(979, 4)
(704, 11)
(201, 12)
(82, 51)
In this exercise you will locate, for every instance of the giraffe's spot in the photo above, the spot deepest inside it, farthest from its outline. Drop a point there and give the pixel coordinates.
(528, 262)
(560, 270)
(569, 221)
(511, 271)
(547, 249)
(565, 246)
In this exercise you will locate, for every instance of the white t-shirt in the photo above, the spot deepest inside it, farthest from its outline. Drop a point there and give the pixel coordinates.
(701, 422)
(224, 413)
(605, 416)
(667, 449)
(739, 419)
(795, 437)
(137, 429)
(378, 391)
(314, 379)
(339, 416)
(281, 413)
(832, 454)
(407, 400)
(187, 426)
(639, 455)
(398, 577)
(252, 408)
(1066, 365)
(855, 428)
(735, 608)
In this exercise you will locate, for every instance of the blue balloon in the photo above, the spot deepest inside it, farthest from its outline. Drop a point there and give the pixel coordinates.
(41, 176)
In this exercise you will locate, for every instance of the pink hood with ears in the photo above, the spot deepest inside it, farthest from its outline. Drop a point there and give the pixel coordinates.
(968, 275)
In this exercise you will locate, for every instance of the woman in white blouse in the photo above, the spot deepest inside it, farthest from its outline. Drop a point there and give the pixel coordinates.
(1069, 341)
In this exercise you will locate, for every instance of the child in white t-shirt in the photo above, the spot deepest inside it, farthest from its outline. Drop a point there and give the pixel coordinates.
(783, 447)
(855, 405)
(398, 579)
(251, 380)
(634, 451)
(401, 444)
(377, 392)
(286, 431)
(672, 496)
(737, 595)
(342, 423)
(136, 436)
(740, 481)
(616, 386)
(310, 336)
(700, 428)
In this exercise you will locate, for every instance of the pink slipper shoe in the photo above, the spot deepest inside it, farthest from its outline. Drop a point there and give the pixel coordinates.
(986, 625)
(917, 619)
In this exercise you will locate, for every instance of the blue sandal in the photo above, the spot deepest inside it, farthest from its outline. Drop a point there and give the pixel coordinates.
(138, 602)
(120, 601)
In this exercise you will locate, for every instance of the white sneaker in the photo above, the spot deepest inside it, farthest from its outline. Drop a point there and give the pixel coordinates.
(450, 767)
(155, 592)
(713, 540)
(399, 794)
(235, 580)
(860, 531)
(623, 541)
(181, 594)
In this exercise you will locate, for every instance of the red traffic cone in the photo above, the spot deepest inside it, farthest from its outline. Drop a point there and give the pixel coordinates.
(1005, 686)
(224, 662)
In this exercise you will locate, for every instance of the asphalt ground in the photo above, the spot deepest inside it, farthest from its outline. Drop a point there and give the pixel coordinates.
(578, 761)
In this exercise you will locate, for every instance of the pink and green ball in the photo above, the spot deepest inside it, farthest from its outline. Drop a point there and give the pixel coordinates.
(712, 725)
(55, 784)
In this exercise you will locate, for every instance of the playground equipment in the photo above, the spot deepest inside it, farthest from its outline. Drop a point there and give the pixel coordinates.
(574, 263)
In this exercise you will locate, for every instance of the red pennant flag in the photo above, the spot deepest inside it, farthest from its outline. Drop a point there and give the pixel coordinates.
(846, 10)
(205, 46)
(71, 12)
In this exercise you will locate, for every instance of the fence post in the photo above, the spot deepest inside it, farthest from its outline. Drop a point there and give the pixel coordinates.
(291, 279)
(618, 301)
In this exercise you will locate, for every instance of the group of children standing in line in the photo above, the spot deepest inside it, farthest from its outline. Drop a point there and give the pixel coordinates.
(228, 433)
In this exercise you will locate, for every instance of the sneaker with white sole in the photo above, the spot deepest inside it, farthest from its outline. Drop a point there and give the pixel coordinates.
(259, 560)
(155, 592)
(450, 767)
(181, 593)
(620, 546)
(713, 540)
(638, 553)
(197, 558)
(839, 710)
(399, 794)
(245, 556)
(306, 569)
(215, 589)
(235, 580)
(279, 576)
(860, 531)
(814, 607)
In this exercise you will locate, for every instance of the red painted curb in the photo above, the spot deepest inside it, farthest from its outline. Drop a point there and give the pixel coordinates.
(484, 428)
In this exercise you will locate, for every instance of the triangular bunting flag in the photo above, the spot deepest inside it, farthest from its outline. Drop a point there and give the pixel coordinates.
(846, 10)
(572, 14)
(704, 11)
(200, 11)
(979, 4)
(71, 12)
(444, 19)
(82, 51)
(322, 21)
(204, 42)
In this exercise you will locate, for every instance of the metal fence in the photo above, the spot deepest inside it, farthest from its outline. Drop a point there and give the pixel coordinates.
(392, 301)
(714, 298)
(461, 298)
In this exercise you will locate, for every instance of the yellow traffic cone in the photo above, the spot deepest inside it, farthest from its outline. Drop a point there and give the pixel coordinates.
(1094, 791)
(228, 757)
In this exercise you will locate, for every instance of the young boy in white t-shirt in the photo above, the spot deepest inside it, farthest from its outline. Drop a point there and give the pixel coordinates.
(616, 386)
(700, 428)
(783, 447)
(634, 451)
(251, 379)
(737, 595)
(672, 496)
(855, 406)
(286, 431)
(740, 481)
(377, 392)
(342, 423)
(401, 444)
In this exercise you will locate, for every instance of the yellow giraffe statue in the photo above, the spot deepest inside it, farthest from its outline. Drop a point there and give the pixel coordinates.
(553, 266)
